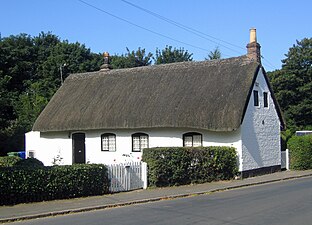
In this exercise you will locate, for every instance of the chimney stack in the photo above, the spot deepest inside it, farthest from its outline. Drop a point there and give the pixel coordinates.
(253, 48)
(106, 65)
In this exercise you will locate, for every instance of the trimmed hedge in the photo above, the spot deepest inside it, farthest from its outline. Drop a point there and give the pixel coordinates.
(178, 166)
(30, 162)
(300, 148)
(7, 161)
(25, 184)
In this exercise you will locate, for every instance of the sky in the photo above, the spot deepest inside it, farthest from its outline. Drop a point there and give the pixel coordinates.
(115, 25)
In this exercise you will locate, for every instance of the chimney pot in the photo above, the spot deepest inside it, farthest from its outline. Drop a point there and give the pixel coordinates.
(253, 35)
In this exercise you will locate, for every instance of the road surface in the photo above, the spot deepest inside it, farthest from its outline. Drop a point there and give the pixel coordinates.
(287, 202)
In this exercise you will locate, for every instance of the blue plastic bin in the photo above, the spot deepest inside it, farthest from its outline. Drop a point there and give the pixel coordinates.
(22, 154)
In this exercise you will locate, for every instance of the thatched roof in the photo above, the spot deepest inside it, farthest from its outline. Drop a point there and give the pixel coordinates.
(207, 95)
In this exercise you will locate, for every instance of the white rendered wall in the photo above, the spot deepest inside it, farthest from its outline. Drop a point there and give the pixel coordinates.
(157, 138)
(59, 144)
(50, 148)
(32, 142)
(261, 131)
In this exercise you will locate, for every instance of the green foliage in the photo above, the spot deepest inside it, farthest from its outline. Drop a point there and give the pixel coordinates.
(293, 83)
(169, 55)
(179, 166)
(300, 148)
(215, 54)
(30, 75)
(30, 162)
(8, 161)
(131, 59)
(25, 184)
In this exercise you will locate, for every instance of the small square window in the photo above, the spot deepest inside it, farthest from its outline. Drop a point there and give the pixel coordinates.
(31, 154)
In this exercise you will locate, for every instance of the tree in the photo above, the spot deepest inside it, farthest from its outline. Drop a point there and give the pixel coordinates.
(215, 54)
(293, 85)
(169, 55)
(132, 59)
(30, 75)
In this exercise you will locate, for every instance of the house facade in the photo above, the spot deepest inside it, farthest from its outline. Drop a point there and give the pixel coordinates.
(110, 116)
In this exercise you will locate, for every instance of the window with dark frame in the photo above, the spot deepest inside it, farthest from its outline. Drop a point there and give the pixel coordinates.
(108, 142)
(139, 142)
(265, 100)
(256, 98)
(31, 154)
(192, 139)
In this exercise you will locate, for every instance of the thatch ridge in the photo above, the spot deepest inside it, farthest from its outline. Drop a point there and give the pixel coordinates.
(201, 95)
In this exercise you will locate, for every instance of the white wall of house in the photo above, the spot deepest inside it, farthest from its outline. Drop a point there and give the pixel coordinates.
(32, 142)
(261, 131)
(51, 146)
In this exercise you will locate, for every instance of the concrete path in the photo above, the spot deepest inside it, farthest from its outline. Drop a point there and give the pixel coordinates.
(59, 207)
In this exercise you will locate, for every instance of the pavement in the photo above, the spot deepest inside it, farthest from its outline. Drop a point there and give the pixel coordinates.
(62, 207)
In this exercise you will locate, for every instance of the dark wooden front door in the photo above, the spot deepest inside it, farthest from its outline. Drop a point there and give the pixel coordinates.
(79, 148)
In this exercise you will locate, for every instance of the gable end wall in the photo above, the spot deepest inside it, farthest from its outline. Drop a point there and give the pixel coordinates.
(260, 130)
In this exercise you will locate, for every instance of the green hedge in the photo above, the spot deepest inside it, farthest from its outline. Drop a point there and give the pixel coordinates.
(24, 184)
(300, 148)
(29, 162)
(7, 161)
(179, 166)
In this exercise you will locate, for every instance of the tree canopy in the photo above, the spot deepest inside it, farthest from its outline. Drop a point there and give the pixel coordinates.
(30, 75)
(293, 85)
(215, 54)
(171, 55)
(131, 59)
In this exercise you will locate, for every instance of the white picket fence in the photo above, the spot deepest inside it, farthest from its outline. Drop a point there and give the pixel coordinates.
(127, 176)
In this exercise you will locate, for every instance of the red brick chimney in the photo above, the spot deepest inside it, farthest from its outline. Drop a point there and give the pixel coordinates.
(253, 48)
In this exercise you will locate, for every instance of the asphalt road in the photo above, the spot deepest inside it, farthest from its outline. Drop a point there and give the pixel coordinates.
(287, 202)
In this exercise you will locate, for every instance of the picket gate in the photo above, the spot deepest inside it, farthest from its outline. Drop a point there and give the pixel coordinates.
(127, 176)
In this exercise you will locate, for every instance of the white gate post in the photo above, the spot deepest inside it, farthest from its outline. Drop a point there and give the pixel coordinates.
(144, 174)
(287, 159)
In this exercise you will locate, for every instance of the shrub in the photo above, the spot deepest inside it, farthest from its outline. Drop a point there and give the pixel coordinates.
(7, 161)
(28, 184)
(30, 163)
(300, 148)
(178, 166)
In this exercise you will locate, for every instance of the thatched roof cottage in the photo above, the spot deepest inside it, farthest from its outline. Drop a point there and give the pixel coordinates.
(103, 116)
